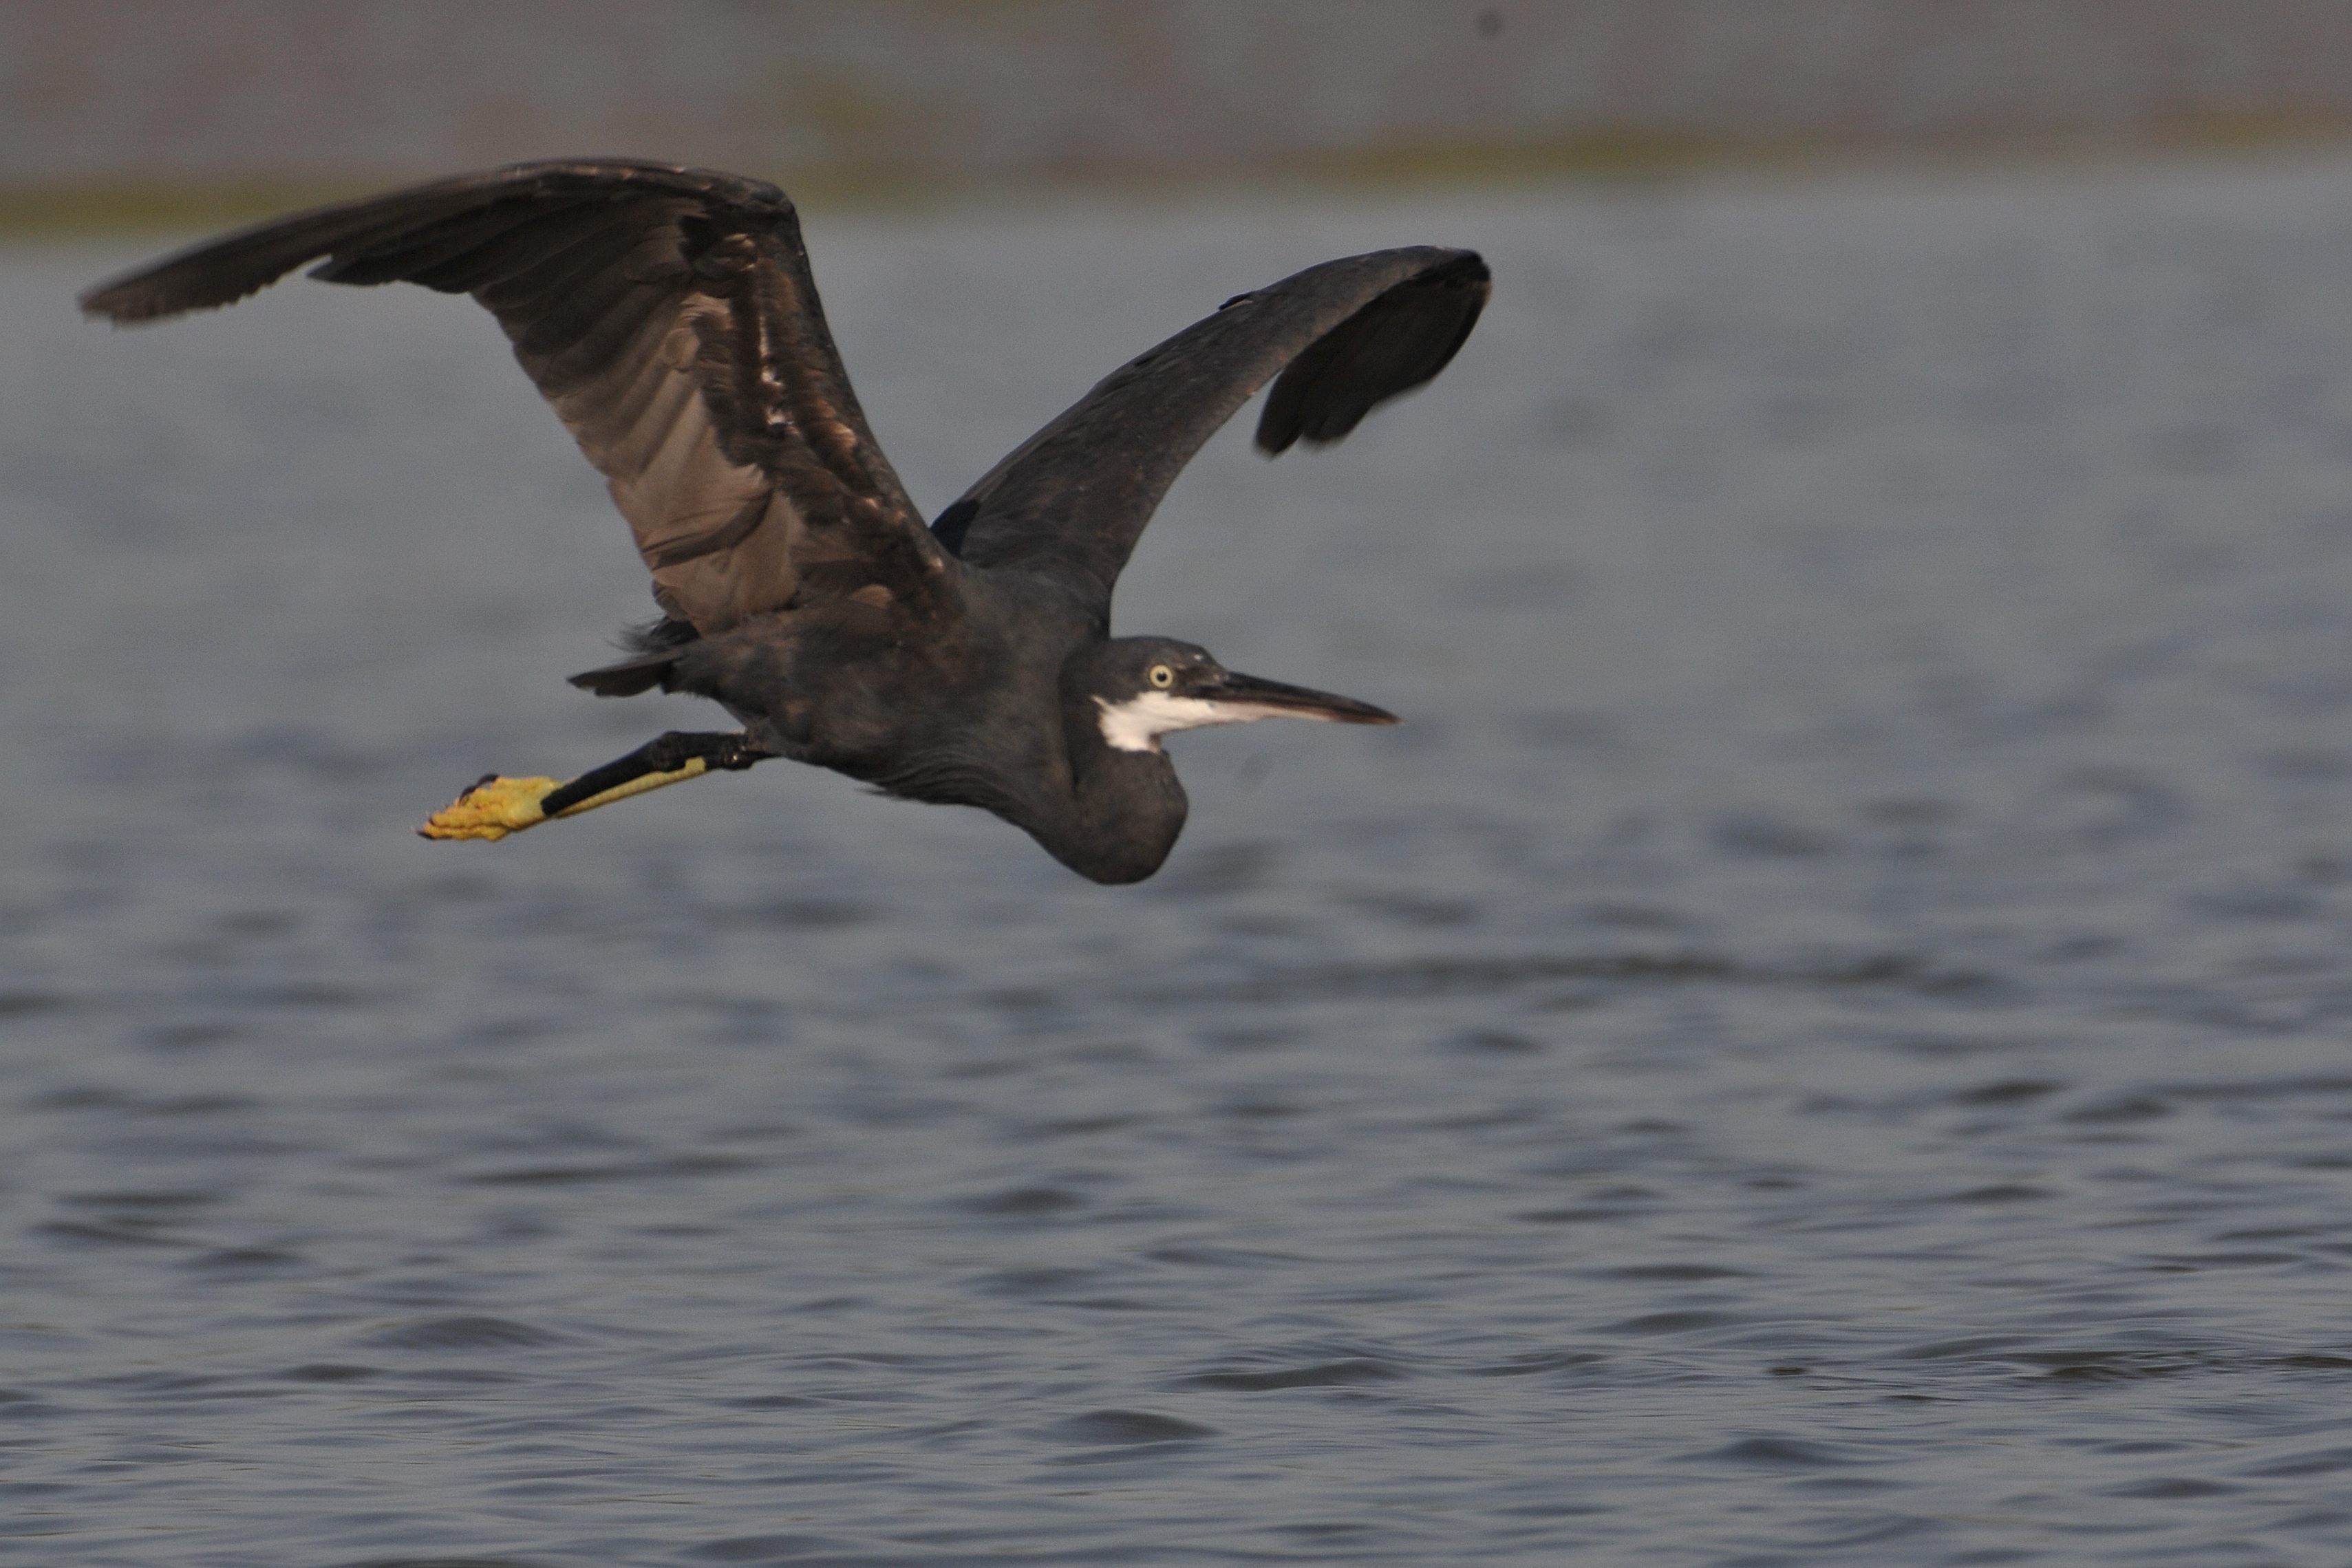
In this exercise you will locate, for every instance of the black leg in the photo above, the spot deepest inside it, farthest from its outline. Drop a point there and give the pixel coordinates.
(663, 754)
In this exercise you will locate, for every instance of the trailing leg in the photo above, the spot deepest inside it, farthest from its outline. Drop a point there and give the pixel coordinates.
(496, 806)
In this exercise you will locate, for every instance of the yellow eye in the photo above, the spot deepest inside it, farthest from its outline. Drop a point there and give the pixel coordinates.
(1162, 676)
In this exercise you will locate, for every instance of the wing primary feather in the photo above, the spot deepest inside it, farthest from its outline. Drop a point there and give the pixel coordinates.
(565, 261)
(424, 255)
(1397, 341)
(500, 269)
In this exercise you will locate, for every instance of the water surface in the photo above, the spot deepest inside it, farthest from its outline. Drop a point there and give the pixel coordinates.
(1822, 1040)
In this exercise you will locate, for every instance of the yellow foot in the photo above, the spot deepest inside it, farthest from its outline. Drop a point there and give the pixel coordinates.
(491, 809)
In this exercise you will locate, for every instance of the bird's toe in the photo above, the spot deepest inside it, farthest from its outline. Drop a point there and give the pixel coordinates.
(490, 810)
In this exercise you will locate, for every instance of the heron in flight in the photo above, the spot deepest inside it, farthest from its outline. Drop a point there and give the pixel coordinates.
(670, 315)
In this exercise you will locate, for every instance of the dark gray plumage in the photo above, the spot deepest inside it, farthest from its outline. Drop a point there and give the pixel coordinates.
(670, 315)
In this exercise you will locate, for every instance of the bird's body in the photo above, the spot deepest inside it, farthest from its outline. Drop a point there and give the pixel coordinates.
(966, 716)
(670, 316)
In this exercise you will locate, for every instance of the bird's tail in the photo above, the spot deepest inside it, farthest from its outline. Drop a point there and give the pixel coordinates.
(654, 648)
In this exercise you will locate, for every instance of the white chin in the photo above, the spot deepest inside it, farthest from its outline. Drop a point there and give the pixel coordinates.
(1136, 724)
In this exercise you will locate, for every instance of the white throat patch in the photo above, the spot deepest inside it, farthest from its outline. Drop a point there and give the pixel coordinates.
(1136, 724)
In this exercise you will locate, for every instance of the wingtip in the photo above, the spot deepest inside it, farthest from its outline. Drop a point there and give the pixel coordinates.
(100, 302)
(150, 294)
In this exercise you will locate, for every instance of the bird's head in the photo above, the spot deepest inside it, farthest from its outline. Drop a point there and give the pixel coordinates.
(1140, 688)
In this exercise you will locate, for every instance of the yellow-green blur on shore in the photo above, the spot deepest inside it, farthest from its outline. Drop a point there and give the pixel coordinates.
(142, 116)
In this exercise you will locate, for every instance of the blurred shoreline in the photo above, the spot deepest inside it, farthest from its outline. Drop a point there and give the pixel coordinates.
(120, 115)
(100, 208)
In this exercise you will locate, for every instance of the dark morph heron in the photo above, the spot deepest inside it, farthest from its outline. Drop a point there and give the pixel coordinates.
(670, 315)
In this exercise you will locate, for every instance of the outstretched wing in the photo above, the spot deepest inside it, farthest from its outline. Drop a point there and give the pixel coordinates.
(668, 315)
(1345, 337)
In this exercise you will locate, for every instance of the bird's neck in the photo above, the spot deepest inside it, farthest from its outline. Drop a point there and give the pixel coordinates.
(1124, 811)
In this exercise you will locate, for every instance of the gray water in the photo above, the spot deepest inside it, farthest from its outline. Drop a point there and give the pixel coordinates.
(1823, 1038)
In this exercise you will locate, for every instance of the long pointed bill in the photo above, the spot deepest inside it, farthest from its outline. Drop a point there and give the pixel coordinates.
(1239, 699)
(1136, 724)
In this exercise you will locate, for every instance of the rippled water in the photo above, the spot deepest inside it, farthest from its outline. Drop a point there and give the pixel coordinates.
(1824, 1038)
